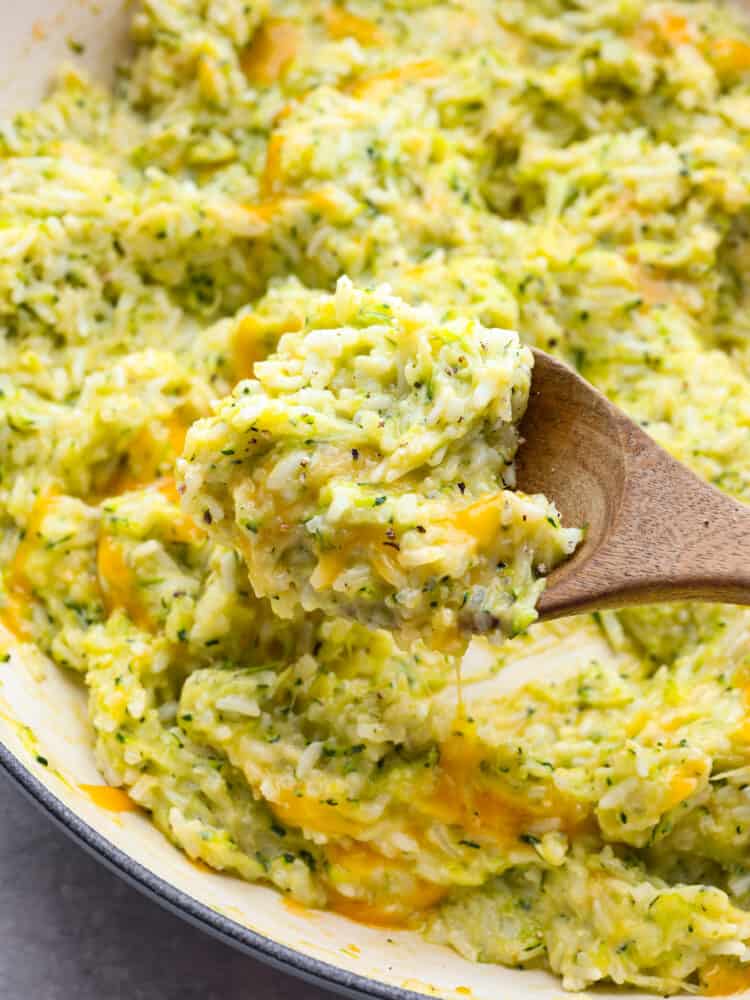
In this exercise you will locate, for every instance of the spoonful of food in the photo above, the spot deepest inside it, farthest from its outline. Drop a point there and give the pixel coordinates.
(654, 531)
(369, 471)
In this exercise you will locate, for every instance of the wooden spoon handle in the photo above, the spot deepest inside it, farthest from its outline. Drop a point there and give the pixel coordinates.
(672, 537)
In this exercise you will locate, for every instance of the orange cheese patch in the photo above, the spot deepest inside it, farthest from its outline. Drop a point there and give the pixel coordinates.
(385, 914)
(481, 519)
(118, 584)
(255, 338)
(383, 84)
(264, 211)
(368, 544)
(297, 909)
(168, 489)
(14, 613)
(340, 23)
(111, 799)
(730, 56)
(270, 182)
(742, 731)
(722, 976)
(181, 527)
(665, 26)
(17, 585)
(147, 454)
(274, 203)
(464, 797)
(272, 49)
(330, 567)
(684, 784)
(675, 28)
(311, 814)
(409, 898)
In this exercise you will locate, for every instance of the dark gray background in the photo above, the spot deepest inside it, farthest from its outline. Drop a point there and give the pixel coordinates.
(70, 930)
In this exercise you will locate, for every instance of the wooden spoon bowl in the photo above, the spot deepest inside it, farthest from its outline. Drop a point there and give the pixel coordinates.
(654, 531)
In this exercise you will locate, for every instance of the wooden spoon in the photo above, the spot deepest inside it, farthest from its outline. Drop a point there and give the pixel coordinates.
(654, 531)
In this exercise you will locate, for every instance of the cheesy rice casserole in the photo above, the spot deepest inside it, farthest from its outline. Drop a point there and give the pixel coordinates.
(310, 236)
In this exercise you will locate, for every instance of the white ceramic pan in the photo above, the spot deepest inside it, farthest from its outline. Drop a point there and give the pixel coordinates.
(46, 740)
